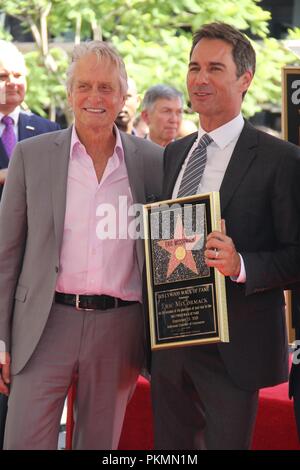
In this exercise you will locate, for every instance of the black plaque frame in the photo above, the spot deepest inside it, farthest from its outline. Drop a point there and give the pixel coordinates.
(186, 299)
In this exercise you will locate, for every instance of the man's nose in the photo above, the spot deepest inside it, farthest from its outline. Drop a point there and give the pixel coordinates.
(96, 94)
(202, 76)
(11, 78)
(174, 117)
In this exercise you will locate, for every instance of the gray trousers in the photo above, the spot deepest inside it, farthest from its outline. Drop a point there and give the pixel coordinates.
(196, 404)
(105, 349)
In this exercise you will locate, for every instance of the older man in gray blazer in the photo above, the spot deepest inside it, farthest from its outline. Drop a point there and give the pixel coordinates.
(70, 281)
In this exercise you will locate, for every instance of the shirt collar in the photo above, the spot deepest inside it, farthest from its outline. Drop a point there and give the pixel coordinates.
(14, 115)
(76, 144)
(225, 134)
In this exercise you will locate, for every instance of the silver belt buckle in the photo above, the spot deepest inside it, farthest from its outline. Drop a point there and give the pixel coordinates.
(77, 306)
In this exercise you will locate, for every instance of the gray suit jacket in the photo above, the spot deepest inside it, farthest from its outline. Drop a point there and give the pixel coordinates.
(31, 230)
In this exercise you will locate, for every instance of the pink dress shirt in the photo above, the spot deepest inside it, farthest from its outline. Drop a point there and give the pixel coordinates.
(89, 264)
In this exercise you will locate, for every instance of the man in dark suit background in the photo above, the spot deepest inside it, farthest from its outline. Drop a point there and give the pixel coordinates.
(205, 397)
(12, 94)
(126, 116)
(22, 126)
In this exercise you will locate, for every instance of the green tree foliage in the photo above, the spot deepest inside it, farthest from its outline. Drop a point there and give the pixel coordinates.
(154, 37)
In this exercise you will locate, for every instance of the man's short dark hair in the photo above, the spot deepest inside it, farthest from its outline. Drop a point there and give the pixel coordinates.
(242, 51)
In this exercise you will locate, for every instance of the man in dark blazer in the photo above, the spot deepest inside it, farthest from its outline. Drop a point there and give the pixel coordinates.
(29, 125)
(13, 88)
(205, 397)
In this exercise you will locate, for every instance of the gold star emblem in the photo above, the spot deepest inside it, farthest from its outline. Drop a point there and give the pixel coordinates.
(180, 247)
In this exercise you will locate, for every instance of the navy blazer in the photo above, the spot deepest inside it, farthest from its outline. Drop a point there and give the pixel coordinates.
(29, 125)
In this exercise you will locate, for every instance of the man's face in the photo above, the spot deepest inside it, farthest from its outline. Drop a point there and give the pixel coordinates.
(214, 89)
(127, 114)
(164, 119)
(95, 96)
(12, 85)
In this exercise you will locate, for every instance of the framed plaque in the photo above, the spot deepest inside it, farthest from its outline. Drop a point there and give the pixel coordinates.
(290, 114)
(186, 298)
(290, 117)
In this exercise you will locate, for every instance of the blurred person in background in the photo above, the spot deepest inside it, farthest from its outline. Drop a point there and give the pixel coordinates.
(140, 127)
(126, 117)
(162, 109)
(15, 124)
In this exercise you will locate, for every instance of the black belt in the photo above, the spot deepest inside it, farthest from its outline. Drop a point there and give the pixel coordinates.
(91, 302)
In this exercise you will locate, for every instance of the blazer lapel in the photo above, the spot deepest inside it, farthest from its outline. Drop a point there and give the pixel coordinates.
(241, 159)
(174, 163)
(59, 165)
(3, 156)
(135, 169)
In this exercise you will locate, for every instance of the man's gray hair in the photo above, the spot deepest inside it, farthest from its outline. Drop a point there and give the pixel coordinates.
(10, 54)
(157, 92)
(102, 50)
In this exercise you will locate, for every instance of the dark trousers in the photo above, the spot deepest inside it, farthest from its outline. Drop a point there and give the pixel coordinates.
(196, 404)
(294, 383)
(3, 413)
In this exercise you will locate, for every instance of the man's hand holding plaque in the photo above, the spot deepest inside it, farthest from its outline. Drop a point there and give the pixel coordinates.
(220, 253)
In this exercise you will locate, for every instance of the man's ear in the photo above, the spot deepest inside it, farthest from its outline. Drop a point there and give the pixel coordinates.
(144, 115)
(246, 80)
(69, 98)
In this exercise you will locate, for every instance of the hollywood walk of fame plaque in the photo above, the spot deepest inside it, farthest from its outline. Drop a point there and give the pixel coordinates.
(186, 298)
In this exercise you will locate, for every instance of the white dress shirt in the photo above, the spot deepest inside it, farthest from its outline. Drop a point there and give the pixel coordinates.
(219, 153)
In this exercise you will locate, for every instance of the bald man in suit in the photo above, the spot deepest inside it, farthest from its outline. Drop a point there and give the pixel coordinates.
(12, 94)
